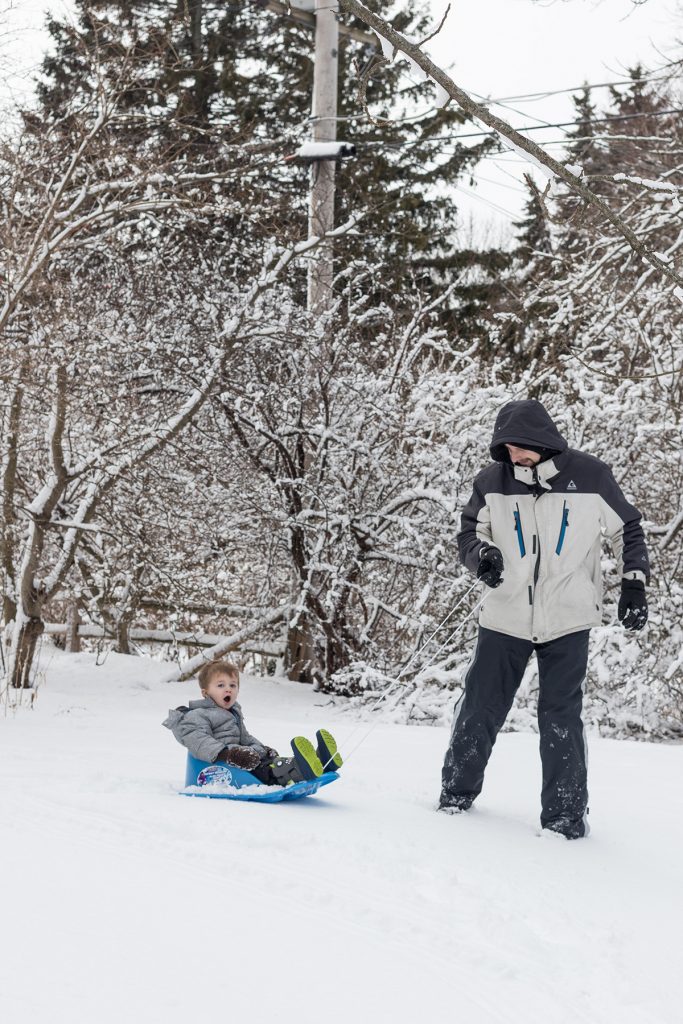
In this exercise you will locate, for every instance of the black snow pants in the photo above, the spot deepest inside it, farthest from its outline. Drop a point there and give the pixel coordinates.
(490, 686)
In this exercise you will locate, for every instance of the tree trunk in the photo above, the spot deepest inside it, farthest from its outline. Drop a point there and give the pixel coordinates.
(9, 454)
(299, 656)
(336, 648)
(72, 641)
(122, 645)
(24, 651)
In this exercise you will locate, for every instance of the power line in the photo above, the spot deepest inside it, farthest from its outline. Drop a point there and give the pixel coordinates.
(582, 88)
(515, 110)
(501, 184)
(486, 202)
(526, 128)
(296, 15)
(515, 157)
(604, 138)
(501, 101)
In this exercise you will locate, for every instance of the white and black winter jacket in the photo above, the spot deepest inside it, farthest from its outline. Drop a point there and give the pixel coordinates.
(548, 522)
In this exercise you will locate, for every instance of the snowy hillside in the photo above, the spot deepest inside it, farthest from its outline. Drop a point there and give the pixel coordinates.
(122, 901)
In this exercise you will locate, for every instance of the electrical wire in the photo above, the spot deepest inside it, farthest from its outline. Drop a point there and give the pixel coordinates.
(584, 88)
(501, 184)
(497, 164)
(524, 128)
(516, 110)
(312, 118)
(501, 100)
(487, 202)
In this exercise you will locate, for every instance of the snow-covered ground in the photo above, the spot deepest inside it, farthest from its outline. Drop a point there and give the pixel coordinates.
(122, 901)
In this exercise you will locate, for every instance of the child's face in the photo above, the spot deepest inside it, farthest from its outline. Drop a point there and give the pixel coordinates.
(223, 690)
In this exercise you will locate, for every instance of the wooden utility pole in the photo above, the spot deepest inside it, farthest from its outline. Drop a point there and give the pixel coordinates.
(321, 211)
(322, 17)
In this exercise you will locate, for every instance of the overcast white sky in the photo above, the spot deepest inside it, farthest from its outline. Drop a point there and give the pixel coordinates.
(497, 48)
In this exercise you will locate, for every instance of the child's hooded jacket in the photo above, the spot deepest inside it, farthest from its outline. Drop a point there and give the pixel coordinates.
(205, 729)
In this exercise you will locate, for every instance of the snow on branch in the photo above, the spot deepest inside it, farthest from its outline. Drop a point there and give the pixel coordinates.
(32, 261)
(227, 644)
(632, 179)
(413, 495)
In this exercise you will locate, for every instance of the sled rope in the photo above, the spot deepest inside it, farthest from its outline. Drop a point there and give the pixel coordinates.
(387, 690)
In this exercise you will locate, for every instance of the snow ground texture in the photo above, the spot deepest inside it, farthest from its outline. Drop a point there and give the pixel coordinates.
(123, 901)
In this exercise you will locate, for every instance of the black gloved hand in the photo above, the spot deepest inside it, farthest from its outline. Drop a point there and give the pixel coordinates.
(240, 757)
(490, 566)
(270, 754)
(632, 610)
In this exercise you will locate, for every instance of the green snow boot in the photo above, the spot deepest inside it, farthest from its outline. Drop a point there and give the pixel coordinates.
(327, 751)
(307, 760)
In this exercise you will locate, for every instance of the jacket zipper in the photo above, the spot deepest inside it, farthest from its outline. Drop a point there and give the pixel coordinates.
(563, 528)
(537, 567)
(518, 530)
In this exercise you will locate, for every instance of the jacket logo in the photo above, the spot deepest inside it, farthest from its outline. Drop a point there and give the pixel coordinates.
(571, 486)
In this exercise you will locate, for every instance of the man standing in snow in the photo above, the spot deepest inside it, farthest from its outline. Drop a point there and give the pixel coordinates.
(532, 531)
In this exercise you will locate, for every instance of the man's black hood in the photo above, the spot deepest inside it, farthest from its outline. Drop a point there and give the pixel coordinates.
(527, 425)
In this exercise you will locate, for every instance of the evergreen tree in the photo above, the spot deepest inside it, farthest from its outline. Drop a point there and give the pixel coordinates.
(562, 232)
(605, 143)
(196, 77)
(533, 230)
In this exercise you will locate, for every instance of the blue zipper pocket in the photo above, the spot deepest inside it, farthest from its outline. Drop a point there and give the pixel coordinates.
(563, 528)
(518, 530)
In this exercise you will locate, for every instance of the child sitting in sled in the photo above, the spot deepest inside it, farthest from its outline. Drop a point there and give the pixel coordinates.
(213, 730)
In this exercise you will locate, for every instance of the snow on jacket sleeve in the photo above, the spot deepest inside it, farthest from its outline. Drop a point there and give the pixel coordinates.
(193, 730)
(621, 522)
(475, 528)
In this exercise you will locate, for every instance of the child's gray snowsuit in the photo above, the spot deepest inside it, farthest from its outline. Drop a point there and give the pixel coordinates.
(205, 729)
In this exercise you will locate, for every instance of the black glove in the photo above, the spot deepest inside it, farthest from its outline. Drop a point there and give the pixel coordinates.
(270, 755)
(490, 566)
(240, 757)
(632, 610)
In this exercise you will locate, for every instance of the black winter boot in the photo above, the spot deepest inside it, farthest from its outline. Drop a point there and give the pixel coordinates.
(450, 804)
(283, 771)
(568, 827)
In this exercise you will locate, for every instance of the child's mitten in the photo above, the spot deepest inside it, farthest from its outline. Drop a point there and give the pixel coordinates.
(270, 754)
(240, 757)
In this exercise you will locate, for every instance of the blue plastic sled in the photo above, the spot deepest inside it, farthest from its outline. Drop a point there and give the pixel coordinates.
(223, 782)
